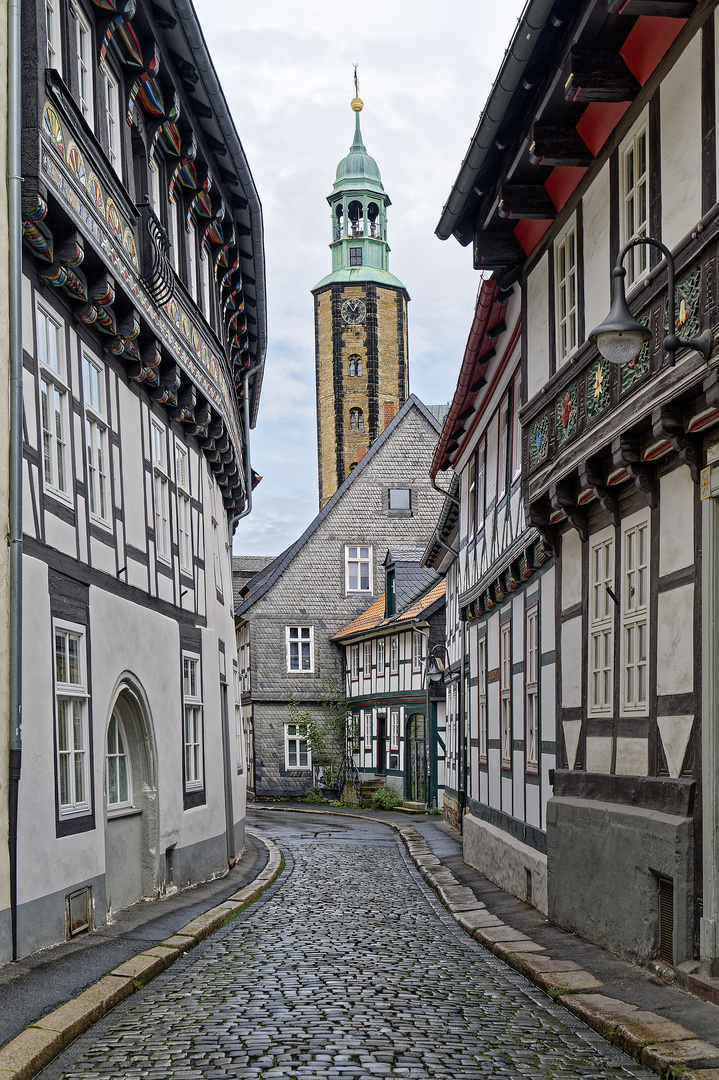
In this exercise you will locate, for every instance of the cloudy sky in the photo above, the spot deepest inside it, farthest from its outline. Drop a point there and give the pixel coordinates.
(286, 68)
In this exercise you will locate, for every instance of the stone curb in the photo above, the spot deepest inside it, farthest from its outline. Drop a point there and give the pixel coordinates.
(671, 1051)
(24, 1056)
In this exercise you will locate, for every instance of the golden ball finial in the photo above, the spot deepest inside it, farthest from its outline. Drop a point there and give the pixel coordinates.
(357, 104)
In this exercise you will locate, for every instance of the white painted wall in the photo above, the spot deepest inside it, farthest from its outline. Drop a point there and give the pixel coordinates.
(538, 337)
(681, 145)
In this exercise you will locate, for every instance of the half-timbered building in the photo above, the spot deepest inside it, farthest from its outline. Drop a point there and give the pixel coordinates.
(601, 164)
(144, 340)
(396, 729)
(501, 740)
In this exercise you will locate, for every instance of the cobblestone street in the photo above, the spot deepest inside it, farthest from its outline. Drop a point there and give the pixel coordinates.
(348, 967)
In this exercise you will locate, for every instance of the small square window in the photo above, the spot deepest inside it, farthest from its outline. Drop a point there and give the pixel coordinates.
(400, 499)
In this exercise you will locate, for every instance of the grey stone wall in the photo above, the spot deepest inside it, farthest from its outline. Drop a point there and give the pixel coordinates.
(603, 864)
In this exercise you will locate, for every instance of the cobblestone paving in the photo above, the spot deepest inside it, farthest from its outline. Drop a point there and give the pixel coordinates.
(351, 969)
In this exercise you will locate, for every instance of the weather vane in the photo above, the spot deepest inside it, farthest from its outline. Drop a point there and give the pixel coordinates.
(357, 94)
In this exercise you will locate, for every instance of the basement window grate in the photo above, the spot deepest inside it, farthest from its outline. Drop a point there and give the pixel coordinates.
(78, 908)
(666, 920)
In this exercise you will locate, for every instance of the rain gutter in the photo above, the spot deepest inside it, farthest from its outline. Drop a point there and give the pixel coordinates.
(529, 28)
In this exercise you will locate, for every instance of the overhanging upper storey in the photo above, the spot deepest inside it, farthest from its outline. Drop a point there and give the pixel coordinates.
(572, 78)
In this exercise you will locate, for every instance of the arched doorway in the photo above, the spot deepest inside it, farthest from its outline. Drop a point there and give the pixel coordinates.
(131, 807)
(416, 758)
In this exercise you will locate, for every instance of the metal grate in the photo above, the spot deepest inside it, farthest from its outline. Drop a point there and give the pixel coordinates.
(666, 920)
(78, 909)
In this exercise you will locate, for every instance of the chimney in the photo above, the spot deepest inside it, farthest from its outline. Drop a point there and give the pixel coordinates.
(361, 451)
(388, 412)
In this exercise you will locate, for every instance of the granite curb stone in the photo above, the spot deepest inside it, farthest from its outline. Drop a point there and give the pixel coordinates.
(24, 1056)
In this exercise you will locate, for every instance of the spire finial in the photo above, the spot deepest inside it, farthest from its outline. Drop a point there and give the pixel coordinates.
(357, 103)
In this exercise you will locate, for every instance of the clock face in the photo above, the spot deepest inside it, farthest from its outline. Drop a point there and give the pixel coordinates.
(354, 311)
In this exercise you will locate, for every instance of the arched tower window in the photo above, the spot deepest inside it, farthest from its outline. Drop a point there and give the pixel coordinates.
(356, 420)
(374, 221)
(356, 215)
(355, 364)
(339, 212)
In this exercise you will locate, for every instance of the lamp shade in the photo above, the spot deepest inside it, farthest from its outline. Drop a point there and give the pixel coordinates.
(620, 337)
(435, 671)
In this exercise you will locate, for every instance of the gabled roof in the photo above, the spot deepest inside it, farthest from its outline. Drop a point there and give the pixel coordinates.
(244, 569)
(373, 618)
(267, 578)
(411, 579)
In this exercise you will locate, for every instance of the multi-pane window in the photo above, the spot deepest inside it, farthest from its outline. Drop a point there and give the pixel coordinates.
(481, 475)
(184, 510)
(356, 420)
(161, 489)
(299, 648)
(353, 733)
(566, 291)
(394, 654)
(53, 401)
(368, 732)
(380, 657)
(205, 295)
(354, 662)
(355, 256)
(174, 230)
(482, 696)
(355, 365)
(297, 750)
(472, 495)
(635, 617)
(243, 656)
(93, 376)
(153, 185)
(416, 651)
(83, 42)
(505, 693)
(52, 30)
(192, 703)
(601, 624)
(112, 118)
(218, 559)
(191, 245)
(502, 440)
(635, 203)
(358, 569)
(516, 426)
(531, 689)
(367, 660)
(239, 733)
(73, 766)
(394, 729)
(117, 766)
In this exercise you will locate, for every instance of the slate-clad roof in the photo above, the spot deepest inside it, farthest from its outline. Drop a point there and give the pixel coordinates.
(410, 579)
(244, 569)
(272, 573)
(373, 618)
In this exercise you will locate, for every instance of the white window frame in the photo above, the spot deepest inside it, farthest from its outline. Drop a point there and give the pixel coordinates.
(516, 455)
(85, 66)
(381, 647)
(482, 697)
(367, 730)
(300, 644)
(239, 725)
(54, 397)
(600, 665)
(634, 198)
(417, 640)
(53, 33)
(502, 446)
(367, 660)
(118, 754)
(72, 752)
(184, 506)
(480, 509)
(394, 729)
(505, 692)
(112, 119)
(354, 663)
(191, 246)
(566, 290)
(635, 629)
(96, 438)
(173, 217)
(161, 490)
(153, 184)
(193, 733)
(243, 657)
(353, 566)
(394, 654)
(531, 689)
(217, 560)
(205, 293)
(296, 743)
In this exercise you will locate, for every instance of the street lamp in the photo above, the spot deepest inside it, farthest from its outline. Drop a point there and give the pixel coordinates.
(620, 337)
(436, 666)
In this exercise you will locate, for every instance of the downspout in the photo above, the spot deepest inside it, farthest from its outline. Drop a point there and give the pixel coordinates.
(446, 494)
(430, 730)
(14, 190)
(440, 541)
(462, 749)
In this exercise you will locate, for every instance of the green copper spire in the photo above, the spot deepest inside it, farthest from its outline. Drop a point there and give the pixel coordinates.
(359, 202)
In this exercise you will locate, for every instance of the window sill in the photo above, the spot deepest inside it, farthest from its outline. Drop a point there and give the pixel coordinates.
(123, 812)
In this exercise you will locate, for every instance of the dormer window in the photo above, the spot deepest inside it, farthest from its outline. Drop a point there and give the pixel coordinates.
(391, 594)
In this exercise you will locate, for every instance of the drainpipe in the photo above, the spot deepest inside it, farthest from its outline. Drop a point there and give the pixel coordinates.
(248, 466)
(429, 726)
(446, 494)
(462, 748)
(14, 190)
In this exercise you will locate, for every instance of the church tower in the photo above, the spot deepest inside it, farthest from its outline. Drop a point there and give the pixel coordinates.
(361, 357)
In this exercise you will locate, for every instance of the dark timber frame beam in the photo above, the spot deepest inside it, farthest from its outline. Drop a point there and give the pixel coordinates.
(551, 145)
(599, 76)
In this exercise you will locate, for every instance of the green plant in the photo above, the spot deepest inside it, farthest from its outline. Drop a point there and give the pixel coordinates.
(314, 795)
(386, 798)
(325, 729)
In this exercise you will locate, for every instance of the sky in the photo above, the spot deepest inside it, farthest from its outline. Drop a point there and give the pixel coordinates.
(286, 69)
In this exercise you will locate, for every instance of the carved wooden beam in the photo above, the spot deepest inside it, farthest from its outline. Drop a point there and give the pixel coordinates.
(599, 76)
(669, 423)
(671, 9)
(591, 475)
(494, 250)
(558, 146)
(538, 514)
(562, 496)
(526, 201)
(626, 453)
